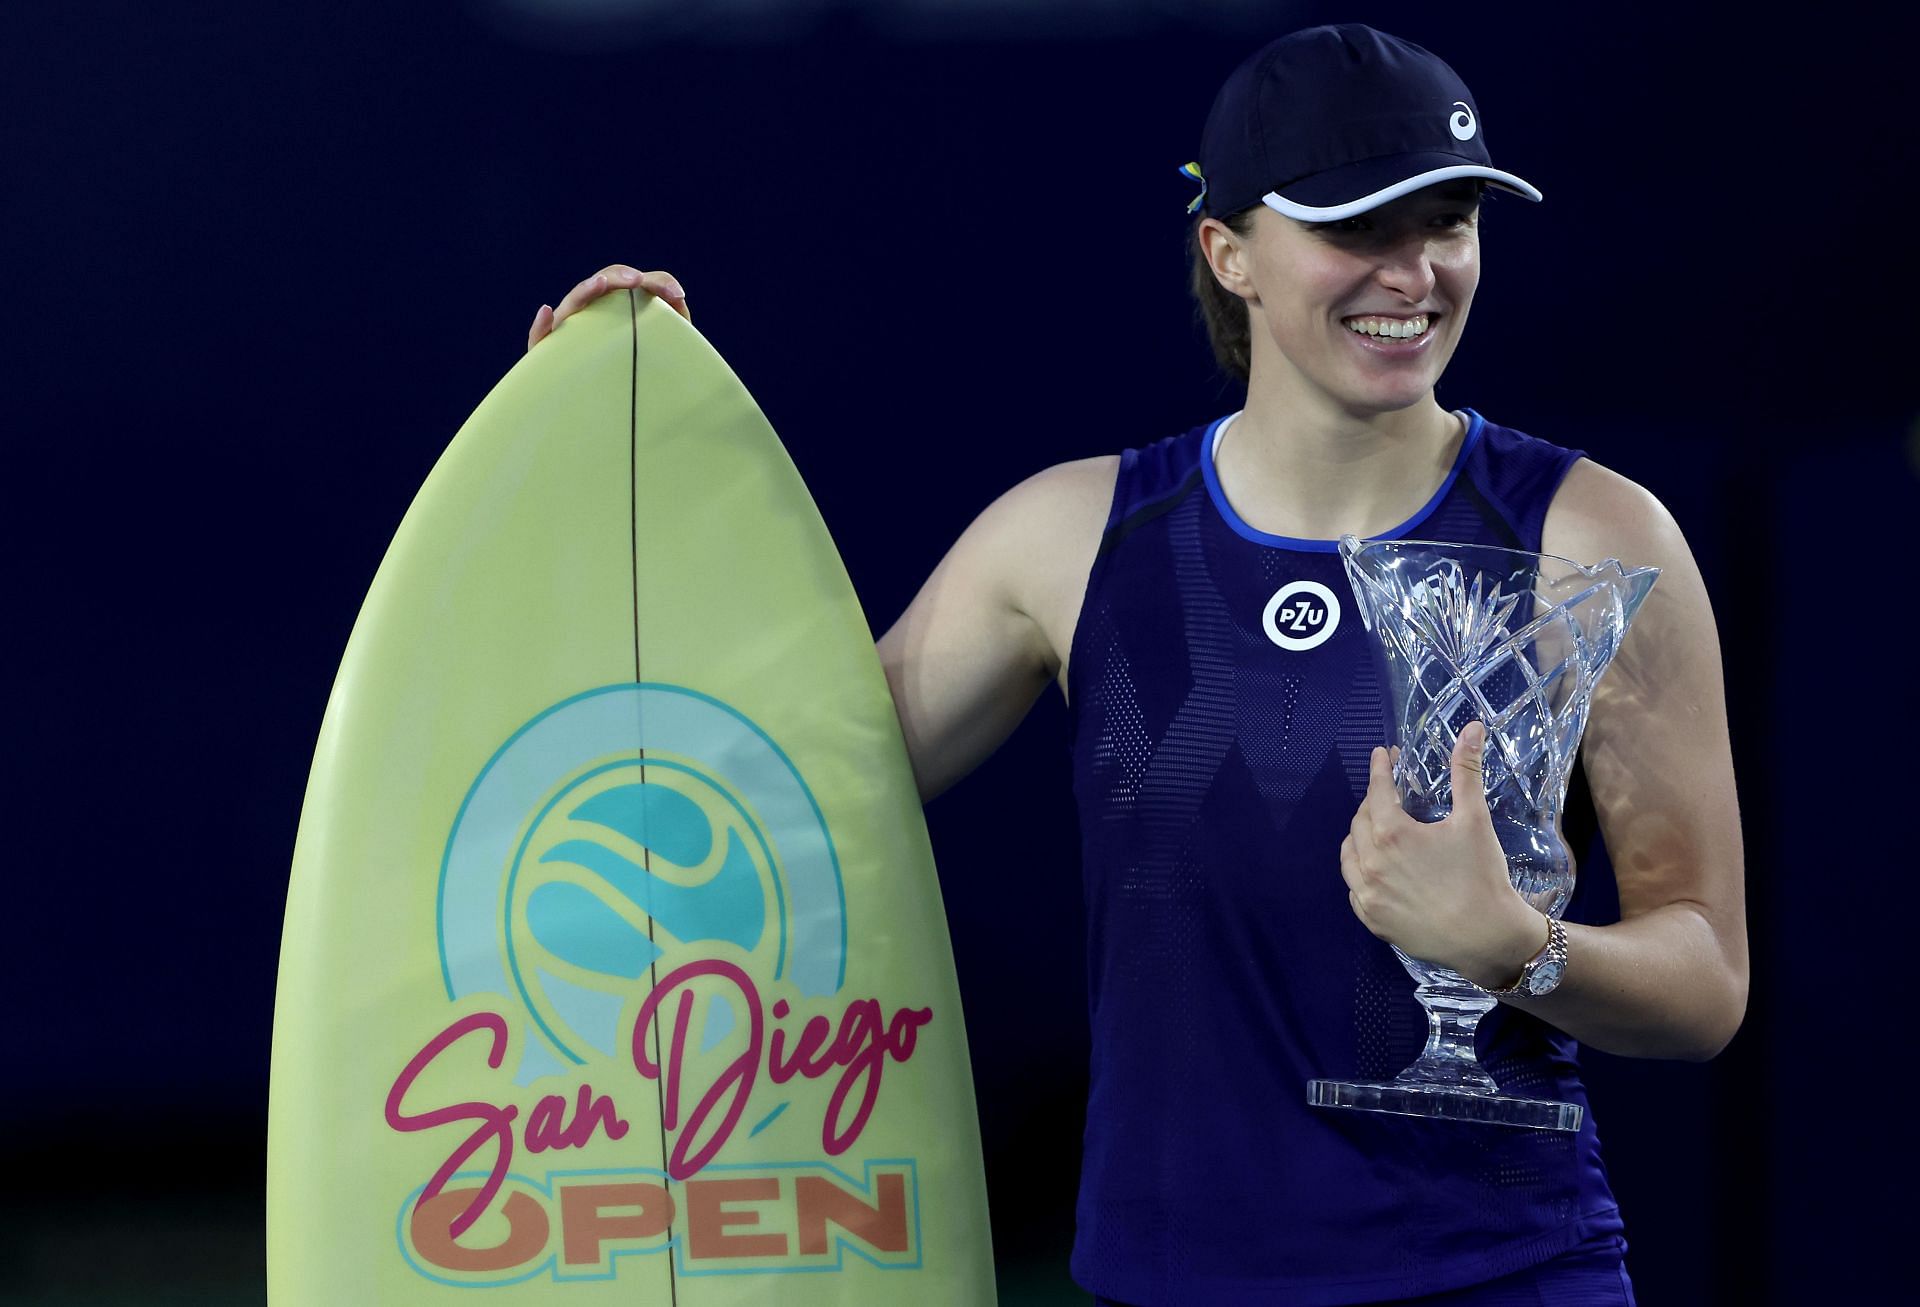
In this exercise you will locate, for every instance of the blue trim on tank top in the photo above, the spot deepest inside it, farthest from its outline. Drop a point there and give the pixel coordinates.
(1475, 423)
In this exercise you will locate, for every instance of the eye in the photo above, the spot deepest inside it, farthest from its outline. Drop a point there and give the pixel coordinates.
(1344, 227)
(1455, 219)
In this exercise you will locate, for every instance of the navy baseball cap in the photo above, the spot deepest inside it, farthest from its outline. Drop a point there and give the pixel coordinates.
(1330, 122)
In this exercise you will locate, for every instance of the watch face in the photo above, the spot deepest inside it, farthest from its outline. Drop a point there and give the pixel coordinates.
(1545, 977)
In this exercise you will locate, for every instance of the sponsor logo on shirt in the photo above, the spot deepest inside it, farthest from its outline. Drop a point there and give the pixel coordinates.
(1301, 615)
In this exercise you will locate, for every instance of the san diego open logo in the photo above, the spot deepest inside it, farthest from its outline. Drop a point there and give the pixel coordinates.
(641, 907)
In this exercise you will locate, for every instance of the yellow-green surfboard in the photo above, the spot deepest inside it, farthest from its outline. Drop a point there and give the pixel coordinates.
(615, 968)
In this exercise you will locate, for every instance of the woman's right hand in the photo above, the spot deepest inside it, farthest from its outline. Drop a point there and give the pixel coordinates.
(616, 276)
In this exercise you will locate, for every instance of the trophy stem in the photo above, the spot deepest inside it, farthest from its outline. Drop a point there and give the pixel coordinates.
(1453, 1017)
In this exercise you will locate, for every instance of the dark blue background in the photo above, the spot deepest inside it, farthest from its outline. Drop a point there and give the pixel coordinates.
(261, 261)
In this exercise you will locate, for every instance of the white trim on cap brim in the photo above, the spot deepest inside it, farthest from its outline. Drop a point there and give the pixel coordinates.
(1353, 208)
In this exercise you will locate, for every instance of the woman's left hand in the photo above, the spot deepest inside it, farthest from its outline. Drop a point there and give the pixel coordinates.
(1439, 890)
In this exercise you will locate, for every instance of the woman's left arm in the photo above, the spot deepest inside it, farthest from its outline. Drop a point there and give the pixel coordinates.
(1669, 979)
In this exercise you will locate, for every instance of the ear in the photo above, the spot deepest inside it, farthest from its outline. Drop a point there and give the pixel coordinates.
(1230, 255)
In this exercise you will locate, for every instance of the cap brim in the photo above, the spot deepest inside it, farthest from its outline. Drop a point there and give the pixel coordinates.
(1317, 199)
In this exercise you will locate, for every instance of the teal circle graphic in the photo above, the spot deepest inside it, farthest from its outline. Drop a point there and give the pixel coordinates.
(640, 780)
(580, 927)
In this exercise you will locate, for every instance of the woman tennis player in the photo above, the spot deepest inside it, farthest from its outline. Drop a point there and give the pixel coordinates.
(1246, 860)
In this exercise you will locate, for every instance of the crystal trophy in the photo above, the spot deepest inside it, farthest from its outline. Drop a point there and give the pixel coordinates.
(1517, 641)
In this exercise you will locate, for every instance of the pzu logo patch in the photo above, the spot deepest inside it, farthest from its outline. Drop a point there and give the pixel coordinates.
(1301, 615)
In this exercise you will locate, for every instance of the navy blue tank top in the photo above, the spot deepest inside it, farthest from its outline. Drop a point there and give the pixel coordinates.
(1222, 712)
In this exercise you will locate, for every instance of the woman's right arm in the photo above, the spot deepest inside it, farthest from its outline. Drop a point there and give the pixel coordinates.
(994, 622)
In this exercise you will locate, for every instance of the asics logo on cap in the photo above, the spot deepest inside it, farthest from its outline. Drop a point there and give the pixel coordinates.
(1462, 123)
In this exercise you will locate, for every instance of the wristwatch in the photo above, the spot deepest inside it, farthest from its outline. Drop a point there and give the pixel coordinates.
(1545, 969)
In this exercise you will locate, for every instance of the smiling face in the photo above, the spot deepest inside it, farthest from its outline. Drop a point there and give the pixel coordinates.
(1369, 310)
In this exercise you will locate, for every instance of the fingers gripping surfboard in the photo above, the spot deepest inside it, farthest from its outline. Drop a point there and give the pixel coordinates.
(614, 967)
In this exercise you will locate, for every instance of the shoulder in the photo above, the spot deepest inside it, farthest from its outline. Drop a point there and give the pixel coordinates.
(1598, 514)
(1057, 505)
(1075, 483)
(1038, 527)
(1069, 496)
(1668, 671)
(1034, 545)
(1053, 520)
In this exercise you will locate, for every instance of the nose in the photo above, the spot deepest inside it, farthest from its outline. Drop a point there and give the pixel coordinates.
(1406, 266)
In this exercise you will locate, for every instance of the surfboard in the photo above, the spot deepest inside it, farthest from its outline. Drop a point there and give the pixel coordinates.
(614, 967)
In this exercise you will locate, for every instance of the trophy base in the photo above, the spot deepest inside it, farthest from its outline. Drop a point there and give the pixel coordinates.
(1404, 1099)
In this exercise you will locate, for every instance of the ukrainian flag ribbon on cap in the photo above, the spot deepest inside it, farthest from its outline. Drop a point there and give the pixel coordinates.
(1192, 172)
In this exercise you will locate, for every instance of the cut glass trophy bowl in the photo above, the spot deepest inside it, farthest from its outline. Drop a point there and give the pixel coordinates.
(1517, 641)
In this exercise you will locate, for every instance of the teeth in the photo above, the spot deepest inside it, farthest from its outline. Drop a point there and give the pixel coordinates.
(1394, 328)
